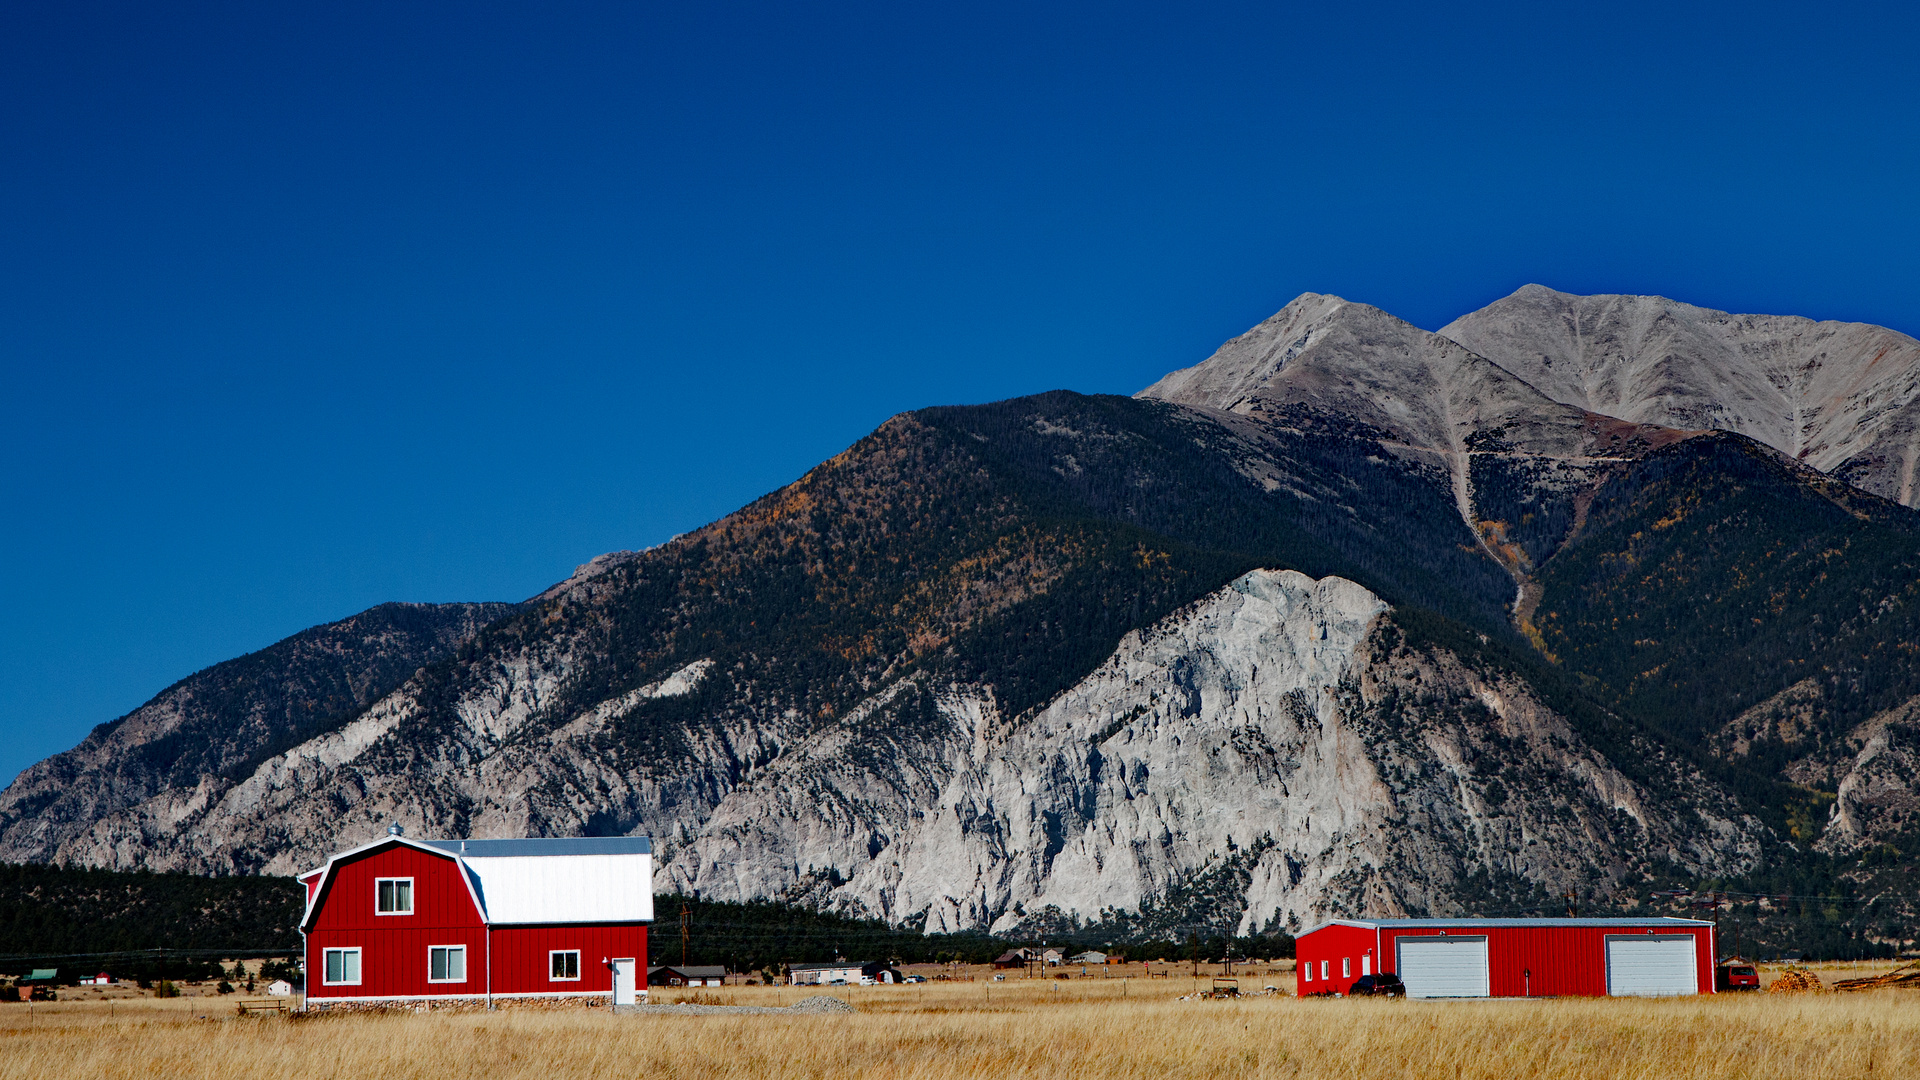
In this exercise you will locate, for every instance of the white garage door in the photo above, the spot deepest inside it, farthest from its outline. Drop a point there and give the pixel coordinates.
(1444, 966)
(1651, 965)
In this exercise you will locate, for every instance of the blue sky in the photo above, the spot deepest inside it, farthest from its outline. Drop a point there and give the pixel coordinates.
(304, 307)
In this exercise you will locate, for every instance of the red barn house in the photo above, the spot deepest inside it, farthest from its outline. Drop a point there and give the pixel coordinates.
(1511, 957)
(478, 920)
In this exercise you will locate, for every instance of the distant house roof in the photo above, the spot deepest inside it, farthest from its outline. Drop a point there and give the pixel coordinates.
(1089, 957)
(829, 967)
(693, 971)
(42, 975)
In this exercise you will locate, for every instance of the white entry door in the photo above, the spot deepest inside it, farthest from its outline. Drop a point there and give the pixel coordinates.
(1448, 966)
(623, 982)
(1651, 965)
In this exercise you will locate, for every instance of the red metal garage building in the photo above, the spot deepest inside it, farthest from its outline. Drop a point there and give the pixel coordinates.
(418, 920)
(1511, 957)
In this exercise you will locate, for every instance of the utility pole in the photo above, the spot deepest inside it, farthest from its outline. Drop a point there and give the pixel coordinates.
(686, 932)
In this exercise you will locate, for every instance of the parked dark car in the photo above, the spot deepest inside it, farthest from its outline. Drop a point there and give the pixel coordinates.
(1385, 984)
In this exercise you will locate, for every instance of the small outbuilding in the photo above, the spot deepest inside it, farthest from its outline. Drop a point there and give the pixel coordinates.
(1088, 957)
(1652, 957)
(279, 988)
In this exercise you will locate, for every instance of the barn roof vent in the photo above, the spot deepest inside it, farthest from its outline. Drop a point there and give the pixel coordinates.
(395, 830)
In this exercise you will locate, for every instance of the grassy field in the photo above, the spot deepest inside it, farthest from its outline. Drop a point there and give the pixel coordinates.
(1107, 1028)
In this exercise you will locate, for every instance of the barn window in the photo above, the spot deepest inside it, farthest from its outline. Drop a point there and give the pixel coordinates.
(1323, 970)
(1309, 971)
(342, 967)
(563, 966)
(1346, 967)
(447, 963)
(393, 895)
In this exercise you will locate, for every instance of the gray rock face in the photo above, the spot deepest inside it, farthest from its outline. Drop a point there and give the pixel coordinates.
(1272, 738)
(149, 777)
(1842, 397)
(1274, 741)
(1873, 769)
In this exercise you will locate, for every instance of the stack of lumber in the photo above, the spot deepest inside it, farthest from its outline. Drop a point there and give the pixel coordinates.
(1907, 975)
(1797, 981)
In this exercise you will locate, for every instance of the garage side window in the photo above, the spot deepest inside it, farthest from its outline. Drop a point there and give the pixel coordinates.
(1346, 967)
(447, 963)
(341, 967)
(1308, 968)
(563, 966)
(1323, 970)
(393, 896)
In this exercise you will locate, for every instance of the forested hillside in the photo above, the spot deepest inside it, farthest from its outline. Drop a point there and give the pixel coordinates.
(84, 919)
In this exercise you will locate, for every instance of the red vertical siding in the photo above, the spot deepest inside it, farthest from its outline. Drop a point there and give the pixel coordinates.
(393, 948)
(520, 964)
(1331, 944)
(1537, 961)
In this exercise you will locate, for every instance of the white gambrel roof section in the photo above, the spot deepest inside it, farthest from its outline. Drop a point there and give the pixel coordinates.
(532, 881)
(563, 888)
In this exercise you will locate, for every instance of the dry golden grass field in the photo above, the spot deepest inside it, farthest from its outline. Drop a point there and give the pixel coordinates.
(1110, 1029)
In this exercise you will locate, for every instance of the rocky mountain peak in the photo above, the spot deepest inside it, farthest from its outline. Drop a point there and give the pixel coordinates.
(1358, 362)
(1842, 397)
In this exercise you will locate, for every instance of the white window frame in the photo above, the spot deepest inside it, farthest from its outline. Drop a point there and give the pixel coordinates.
(379, 881)
(358, 963)
(1324, 977)
(459, 948)
(1309, 971)
(1346, 967)
(575, 977)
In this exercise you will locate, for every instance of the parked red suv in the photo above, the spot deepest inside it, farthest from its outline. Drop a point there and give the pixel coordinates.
(1736, 975)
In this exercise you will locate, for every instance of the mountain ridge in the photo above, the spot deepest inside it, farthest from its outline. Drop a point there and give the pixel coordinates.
(1051, 661)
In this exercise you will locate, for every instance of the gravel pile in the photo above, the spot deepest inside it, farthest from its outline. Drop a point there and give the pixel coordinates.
(819, 1003)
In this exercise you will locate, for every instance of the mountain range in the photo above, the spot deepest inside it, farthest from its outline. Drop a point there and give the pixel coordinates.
(1581, 595)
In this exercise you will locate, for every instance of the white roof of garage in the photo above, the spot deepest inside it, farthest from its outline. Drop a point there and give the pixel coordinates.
(562, 888)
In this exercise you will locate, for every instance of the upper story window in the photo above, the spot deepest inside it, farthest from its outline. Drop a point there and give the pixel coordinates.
(393, 896)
